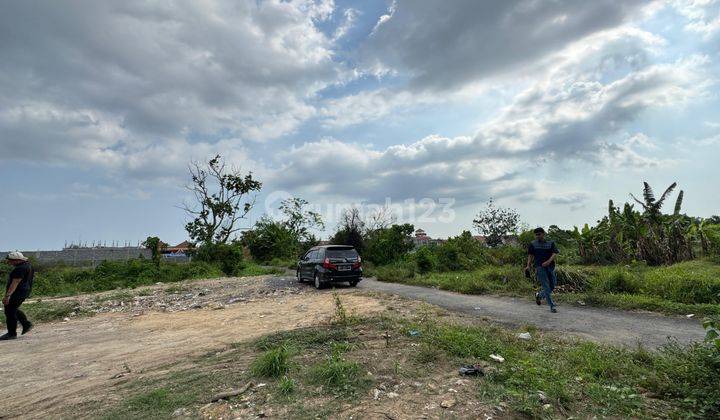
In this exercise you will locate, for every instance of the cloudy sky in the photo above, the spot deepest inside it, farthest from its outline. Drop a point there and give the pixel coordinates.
(551, 107)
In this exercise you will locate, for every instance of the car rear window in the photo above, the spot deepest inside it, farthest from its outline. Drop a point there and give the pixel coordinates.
(341, 253)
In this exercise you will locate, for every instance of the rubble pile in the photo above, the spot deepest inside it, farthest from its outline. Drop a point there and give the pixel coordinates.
(185, 297)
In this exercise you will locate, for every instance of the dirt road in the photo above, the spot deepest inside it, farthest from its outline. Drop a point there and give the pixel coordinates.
(596, 324)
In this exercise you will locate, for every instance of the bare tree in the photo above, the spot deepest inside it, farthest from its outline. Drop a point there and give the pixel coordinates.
(221, 199)
(380, 219)
(350, 230)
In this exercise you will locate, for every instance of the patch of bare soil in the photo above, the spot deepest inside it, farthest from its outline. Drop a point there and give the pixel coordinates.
(401, 385)
(67, 364)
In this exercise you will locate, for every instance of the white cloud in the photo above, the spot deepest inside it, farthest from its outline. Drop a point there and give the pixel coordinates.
(575, 200)
(586, 98)
(703, 15)
(350, 17)
(443, 48)
(106, 83)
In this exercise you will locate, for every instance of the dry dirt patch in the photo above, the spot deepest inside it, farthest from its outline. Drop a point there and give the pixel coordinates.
(64, 364)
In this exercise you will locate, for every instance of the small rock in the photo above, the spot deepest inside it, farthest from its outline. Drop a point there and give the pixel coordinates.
(497, 358)
(448, 403)
(581, 303)
(66, 319)
(547, 406)
(180, 412)
(542, 396)
(462, 382)
(392, 395)
(524, 336)
(376, 394)
(690, 315)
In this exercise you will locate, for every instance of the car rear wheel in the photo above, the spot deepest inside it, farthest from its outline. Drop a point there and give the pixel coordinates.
(318, 283)
(353, 283)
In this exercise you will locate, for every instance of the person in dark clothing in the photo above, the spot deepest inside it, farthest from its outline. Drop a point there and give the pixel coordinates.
(19, 285)
(543, 253)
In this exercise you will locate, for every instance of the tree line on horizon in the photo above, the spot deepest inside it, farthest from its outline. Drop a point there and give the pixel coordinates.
(223, 196)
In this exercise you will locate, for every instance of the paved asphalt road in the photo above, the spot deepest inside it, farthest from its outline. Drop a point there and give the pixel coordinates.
(596, 324)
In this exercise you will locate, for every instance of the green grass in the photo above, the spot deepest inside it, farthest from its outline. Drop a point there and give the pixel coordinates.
(582, 377)
(683, 288)
(50, 311)
(110, 275)
(158, 403)
(273, 363)
(312, 338)
(339, 375)
(578, 378)
(286, 386)
(639, 302)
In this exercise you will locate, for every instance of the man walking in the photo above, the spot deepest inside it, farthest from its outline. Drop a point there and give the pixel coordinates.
(543, 253)
(18, 288)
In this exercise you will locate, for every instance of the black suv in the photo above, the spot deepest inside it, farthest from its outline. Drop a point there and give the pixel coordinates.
(330, 263)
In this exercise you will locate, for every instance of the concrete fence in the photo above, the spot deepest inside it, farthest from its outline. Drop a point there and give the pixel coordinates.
(85, 256)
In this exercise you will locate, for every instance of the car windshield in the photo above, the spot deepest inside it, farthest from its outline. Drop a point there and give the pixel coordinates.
(341, 253)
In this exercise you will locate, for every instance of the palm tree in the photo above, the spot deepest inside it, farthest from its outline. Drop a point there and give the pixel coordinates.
(651, 205)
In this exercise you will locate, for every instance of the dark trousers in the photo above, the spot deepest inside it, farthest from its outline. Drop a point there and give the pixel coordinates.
(13, 314)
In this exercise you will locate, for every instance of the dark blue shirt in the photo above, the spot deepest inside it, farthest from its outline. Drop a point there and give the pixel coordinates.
(542, 251)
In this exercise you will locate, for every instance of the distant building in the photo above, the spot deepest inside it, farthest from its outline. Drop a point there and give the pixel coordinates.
(422, 239)
(179, 251)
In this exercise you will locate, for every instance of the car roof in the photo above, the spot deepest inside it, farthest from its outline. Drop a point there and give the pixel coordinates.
(333, 246)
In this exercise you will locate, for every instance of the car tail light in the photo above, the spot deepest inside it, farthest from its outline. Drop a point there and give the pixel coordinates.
(328, 264)
(357, 264)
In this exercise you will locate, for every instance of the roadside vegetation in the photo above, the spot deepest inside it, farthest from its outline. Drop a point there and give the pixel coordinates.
(355, 365)
(60, 280)
(631, 259)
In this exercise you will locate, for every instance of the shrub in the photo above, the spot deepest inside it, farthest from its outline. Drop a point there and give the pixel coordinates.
(508, 255)
(386, 245)
(273, 363)
(615, 280)
(424, 260)
(271, 239)
(462, 252)
(399, 272)
(228, 256)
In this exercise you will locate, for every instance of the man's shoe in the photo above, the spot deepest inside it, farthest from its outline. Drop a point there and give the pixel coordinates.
(7, 337)
(553, 310)
(26, 329)
(538, 300)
